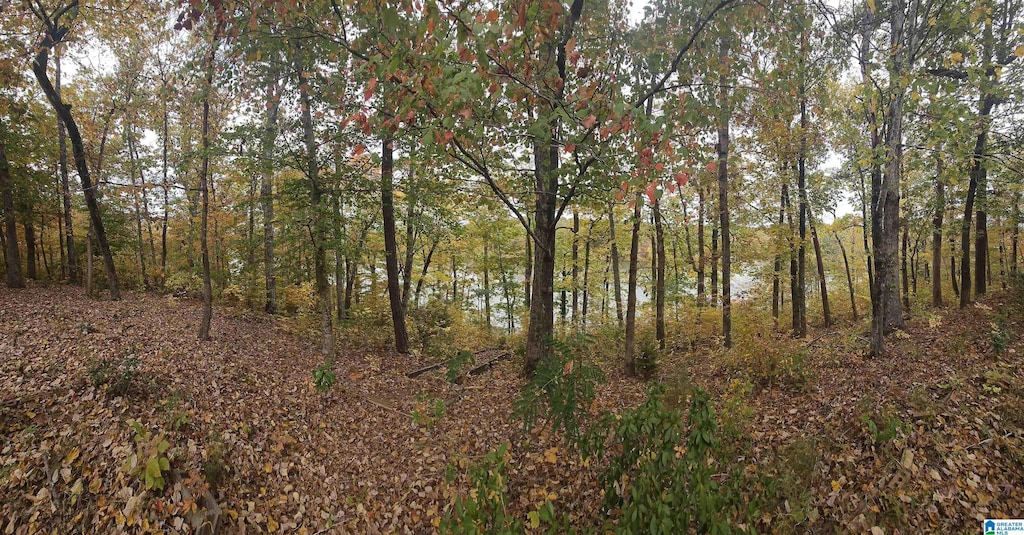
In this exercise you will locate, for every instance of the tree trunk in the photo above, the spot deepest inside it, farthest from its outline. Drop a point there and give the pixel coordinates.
(867, 247)
(1015, 233)
(952, 266)
(423, 270)
(135, 205)
(204, 190)
(586, 272)
(777, 267)
(659, 286)
(542, 318)
(701, 255)
(78, 147)
(849, 277)
(634, 250)
(800, 299)
(575, 267)
(391, 246)
(319, 230)
(166, 188)
(940, 211)
(905, 275)
(528, 271)
(826, 311)
(30, 247)
(69, 233)
(616, 282)
(725, 112)
(978, 175)
(268, 140)
(487, 288)
(12, 255)
(410, 248)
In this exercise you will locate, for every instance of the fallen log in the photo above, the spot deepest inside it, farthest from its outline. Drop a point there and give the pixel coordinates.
(430, 367)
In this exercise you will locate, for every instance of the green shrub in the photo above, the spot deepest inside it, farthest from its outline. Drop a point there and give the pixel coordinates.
(455, 365)
(561, 393)
(645, 362)
(655, 484)
(1000, 335)
(117, 376)
(184, 284)
(149, 461)
(324, 376)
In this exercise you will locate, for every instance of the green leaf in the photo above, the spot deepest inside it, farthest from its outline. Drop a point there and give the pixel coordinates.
(153, 467)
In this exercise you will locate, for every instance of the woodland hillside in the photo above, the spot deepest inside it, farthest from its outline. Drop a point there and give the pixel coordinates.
(632, 266)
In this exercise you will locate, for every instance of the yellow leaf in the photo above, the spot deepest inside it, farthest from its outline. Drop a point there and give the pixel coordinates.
(71, 456)
(836, 486)
(551, 455)
(956, 58)
(871, 5)
(1019, 51)
(272, 525)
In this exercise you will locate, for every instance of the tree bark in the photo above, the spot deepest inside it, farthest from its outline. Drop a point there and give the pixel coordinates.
(78, 147)
(725, 111)
(12, 255)
(826, 311)
(701, 255)
(777, 267)
(939, 213)
(204, 190)
(586, 272)
(542, 319)
(135, 205)
(410, 247)
(423, 270)
(319, 230)
(30, 247)
(268, 140)
(487, 288)
(387, 169)
(977, 181)
(634, 250)
(575, 266)
(659, 286)
(616, 282)
(62, 144)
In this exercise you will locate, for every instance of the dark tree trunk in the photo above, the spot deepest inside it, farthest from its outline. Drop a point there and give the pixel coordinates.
(410, 248)
(12, 255)
(905, 275)
(864, 231)
(777, 267)
(575, 267)
(634, 250)
(318, 231)
(723, 203)
(78, 147)
(30, 247)
(586, 272)
(423, 270)
(800, 299)
(387, 170)
(267, 141)
(616, 282)
(952, 266)
(130, 142)
(204, 190)
(714, 261)
(166, 188)
(65, 187)
(528, 269)
(701, 255)
(939, 213)
(659, 285)
(487, 287)
(542, 318)
(826, 311)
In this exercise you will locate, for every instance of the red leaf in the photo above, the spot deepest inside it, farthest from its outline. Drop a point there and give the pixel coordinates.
(652, 189)
(492, 15)
(359, 149)
(682, 177)
(711, 167)
(569, 147)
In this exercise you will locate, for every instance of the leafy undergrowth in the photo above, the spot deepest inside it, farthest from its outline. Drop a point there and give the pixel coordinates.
(114, 418)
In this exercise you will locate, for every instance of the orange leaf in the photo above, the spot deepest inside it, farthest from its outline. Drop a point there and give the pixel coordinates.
(589, 121)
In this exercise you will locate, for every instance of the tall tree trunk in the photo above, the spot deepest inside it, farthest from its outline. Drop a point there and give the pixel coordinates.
(826, 311)
(65, 187)
(42, 245)
(387, 170)
(30, 246)
(166, 189)
(800, 300)
(204, 190)
(905, 275)
(319, 230)
(794, 267)
(940, 211)
(777, 267)
(659, 286)
(701, 255)
(864, 231)
(634, 250)
(978, 175)
(12, 255)
(267, 141)
(725, 117)
(135, 205)
(616, 282)
(575, 267)
(849, 277)
(546, 164)
(487, 287)
(528, 268)
(410, 247)
(1015, 233)
(78, 148)
(714, 260)
(586, 271)
(952, 266)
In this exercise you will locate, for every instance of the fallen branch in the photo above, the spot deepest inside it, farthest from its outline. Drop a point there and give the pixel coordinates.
(489, 364)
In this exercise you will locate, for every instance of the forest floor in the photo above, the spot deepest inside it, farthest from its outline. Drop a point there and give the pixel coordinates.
(927, 440)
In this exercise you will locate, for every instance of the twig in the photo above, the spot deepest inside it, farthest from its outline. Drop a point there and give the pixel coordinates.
(989, 439)
(386, 407)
